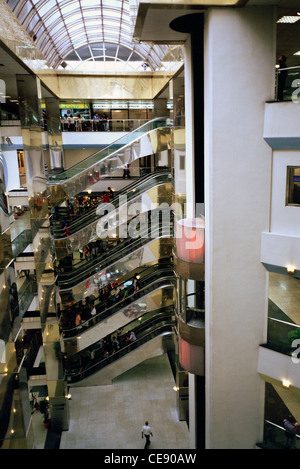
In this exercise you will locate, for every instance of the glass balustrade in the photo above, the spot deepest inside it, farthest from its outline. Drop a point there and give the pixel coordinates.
(26, 294)
(275, 437)
(107, 351)
(284, 337)
(89, 217)
(110, 149)
(156, 136)
(21, 242)
(96, 125)
(291, 90)
(127, 301)
(127, 248)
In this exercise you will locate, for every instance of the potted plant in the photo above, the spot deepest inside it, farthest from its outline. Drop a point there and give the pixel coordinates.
(44, 410)
(294, 335)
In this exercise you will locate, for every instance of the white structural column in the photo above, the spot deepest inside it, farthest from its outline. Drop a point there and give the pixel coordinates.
(190, 211)
(239, 63)
(189, 132)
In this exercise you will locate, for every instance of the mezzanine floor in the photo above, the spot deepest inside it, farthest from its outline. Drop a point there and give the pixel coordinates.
(112, 416)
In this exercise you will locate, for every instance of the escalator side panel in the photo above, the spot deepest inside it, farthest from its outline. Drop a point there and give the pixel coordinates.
(151, 302)
(153, 348)
(104, 163)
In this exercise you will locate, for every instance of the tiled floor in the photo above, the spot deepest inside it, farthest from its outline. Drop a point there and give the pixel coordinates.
(112, 416)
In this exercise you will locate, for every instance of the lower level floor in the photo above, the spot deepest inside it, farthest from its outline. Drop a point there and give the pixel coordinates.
(112, 416)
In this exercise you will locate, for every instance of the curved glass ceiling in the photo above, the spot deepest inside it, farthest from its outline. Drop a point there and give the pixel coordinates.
(71, 32)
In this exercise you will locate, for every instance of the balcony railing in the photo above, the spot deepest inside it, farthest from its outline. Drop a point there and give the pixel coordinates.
(275, 437)
(97, 125)
(291, 90)
(284, 337)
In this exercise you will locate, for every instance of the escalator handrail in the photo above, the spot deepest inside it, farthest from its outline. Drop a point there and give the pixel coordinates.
(160, 330)
(128, 246)
(164, 280)
(168, 279)
(92, 212)
(58, 179)
(161, 315)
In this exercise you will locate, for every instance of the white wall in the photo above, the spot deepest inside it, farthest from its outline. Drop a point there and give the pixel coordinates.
(90, 139)
(280, 250)
(239, 78)
(279, 366)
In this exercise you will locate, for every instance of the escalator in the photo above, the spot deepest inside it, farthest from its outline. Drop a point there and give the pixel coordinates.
(156, 290)
(153, 137)
(89, 218)
(102, 362)
(142, 234)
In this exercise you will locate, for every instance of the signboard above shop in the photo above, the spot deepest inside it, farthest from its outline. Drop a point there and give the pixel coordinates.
(74, 106)
(123, 105)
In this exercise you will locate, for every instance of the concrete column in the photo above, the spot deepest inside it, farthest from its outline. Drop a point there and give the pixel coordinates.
(53, 125)
(29, 89)
(194, 170)
(160, 107)
(189, 133)
(239, 61)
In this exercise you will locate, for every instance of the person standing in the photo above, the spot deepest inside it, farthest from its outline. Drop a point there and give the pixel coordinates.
(96, 122)
(105, 119)
(290, 426)
(126, 171)
(110, 192)
(93, 313)
(146, 432)
(77, 320)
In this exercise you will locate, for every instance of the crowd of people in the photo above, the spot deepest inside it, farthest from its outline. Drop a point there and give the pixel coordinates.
(93, 249)
(82, 204)
(73, 123)
(108, 295)
(105, 347)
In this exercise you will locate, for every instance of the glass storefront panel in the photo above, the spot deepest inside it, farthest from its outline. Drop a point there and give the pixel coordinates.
(293, 185)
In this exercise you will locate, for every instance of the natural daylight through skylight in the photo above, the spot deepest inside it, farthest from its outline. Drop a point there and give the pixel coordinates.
(86, 35)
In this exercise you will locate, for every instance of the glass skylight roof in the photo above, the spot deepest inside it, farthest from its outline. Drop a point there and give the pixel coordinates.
(70, 32)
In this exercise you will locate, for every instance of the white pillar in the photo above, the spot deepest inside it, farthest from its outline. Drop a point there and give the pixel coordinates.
(189, 132)
(190, 209)
(239, 63)
(192, 412)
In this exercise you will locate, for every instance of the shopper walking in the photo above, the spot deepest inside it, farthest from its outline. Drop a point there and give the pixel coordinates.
(146, 432)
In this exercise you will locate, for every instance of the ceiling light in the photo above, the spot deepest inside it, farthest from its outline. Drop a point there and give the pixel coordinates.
(288, 19)
(286, 383)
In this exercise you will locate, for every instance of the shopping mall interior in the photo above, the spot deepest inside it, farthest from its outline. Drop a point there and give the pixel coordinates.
(150, 239)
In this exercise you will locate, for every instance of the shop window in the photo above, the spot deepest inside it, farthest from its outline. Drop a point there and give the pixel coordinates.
(293, 185)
